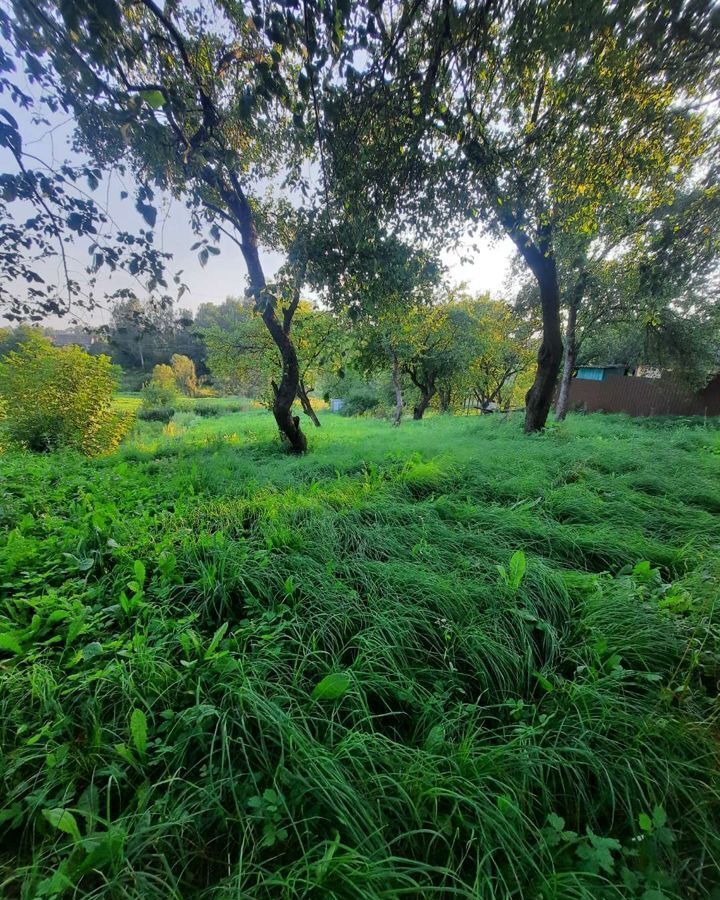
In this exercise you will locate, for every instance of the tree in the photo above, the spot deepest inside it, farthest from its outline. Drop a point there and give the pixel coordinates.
(657, 269)
(245, 353)
(384, 280)
(241, 351)
(162, 388)
(183, 369)
(207, 104)
(525, 117)
(12, 338)
(133, 326)
(323, 343)
(498, 353)
(45, 210)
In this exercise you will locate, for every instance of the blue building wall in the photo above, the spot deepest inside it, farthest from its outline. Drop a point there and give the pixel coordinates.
(591, 373)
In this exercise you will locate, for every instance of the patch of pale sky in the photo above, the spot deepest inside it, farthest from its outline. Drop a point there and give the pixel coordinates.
(480, 264)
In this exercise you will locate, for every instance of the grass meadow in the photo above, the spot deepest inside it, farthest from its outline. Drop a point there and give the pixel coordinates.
(443, 660)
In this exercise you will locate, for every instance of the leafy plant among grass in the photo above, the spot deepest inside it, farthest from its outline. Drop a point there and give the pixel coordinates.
(444, 660)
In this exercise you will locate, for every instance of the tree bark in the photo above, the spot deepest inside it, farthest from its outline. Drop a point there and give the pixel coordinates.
(445, 396)
(539, 398)
(541, 262)
(306, 404)
(426, 394)
(398, 389)
(421, 406)
(286, 391)
(561, 406)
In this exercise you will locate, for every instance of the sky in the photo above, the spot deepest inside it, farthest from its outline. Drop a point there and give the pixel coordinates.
(482, 265)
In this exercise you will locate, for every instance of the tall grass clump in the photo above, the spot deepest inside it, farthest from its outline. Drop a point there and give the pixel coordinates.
(445, 660)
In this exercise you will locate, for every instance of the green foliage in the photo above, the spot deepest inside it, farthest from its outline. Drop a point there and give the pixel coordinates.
(55, 397)
(244, 674)
(161, 390)
(156, 414)
(361, 398)
(514, 574)
(332, 686)
(138, 730)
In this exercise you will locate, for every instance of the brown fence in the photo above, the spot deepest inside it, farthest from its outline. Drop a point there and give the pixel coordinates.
(644, 397)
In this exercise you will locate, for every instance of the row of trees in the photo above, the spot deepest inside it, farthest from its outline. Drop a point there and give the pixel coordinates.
(447, 352)
(574, 127)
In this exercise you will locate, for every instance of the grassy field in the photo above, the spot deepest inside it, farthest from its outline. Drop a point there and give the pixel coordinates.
(441, 660)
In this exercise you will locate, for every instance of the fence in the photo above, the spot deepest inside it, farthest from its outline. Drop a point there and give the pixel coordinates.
(644, 397)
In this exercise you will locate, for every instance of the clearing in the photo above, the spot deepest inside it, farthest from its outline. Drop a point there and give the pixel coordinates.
(227, 672)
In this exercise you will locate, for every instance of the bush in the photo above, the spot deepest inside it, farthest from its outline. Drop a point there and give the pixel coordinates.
(360, 399)
(206, 411)
(161, 390)
(55, 397)
(158, 414)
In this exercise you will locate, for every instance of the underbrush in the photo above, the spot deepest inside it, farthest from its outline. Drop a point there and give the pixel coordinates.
(442, 660)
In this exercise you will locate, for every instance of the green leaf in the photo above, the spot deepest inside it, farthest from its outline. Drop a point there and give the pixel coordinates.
(518, 565)
(659, 817)
(544, 683)
(645, 822)
(435, 739)
(156, 99)
(90, 651)
(9, 643)
(62, 820)
(139, 571)
(597, 856)
(332, 686)
(217, 637)
(138, 730)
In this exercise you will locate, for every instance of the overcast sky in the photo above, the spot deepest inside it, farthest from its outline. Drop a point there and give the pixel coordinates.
(484, 268)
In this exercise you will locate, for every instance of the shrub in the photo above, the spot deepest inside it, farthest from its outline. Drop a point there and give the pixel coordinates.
(360, 399)
(60, 397)
(161, 390)
(206, 411)
(157, 414)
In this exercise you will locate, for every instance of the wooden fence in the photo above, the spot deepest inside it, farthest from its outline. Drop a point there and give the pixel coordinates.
(644, 397)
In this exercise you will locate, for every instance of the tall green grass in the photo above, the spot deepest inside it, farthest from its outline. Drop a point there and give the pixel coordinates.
(442, 660)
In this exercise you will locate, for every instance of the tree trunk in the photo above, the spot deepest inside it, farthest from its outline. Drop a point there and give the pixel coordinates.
(445, 396)
(561, 406)
(539, 398)
(420, 407)
(286, 391)
(306, 404)
(398, 389)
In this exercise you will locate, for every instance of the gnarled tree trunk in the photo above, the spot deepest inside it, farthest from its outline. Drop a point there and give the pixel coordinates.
(285, 392)
(306, 404)
(421, 406)
(427, 392)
